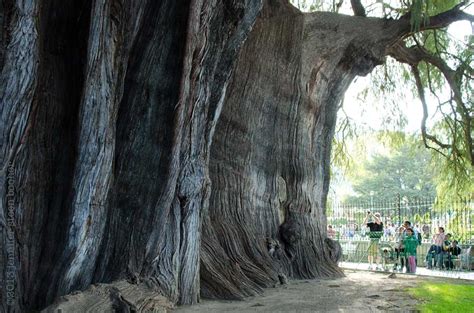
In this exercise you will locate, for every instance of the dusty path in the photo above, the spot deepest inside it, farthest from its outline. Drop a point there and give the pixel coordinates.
(357, 292)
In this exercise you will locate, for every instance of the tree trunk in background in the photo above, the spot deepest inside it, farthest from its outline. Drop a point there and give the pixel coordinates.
(270, 162)
(113, 169)
(270, 155)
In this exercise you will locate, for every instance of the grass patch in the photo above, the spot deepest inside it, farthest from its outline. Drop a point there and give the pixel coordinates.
(442, 297)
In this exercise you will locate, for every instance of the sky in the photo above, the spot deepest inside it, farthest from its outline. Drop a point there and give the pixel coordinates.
(409, 105)
(376, 114)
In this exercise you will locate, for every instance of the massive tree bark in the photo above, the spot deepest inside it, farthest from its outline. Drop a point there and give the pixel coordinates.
(271, 150)
(108, 109)
(127, 158)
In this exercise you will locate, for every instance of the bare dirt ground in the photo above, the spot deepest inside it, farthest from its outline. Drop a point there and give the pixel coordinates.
(359, 291)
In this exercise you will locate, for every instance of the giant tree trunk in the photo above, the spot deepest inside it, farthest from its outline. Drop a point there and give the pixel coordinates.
(107, 112)
(270, 154)
(112, 163)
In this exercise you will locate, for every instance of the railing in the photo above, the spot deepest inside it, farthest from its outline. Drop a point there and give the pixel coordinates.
(355, 250)
(425, 215)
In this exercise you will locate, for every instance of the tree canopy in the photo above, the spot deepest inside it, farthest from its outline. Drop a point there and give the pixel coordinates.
(437, 68)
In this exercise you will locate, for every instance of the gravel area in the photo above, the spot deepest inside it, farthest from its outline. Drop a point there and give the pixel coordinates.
(359, 291)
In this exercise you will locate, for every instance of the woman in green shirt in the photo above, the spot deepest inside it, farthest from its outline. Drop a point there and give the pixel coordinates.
(410, 243)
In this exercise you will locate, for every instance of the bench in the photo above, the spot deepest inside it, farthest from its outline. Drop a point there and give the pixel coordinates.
(465, 261)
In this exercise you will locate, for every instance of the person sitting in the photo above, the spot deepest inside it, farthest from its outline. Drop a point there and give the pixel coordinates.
(453, 252)
(436, 248)
(444, 252)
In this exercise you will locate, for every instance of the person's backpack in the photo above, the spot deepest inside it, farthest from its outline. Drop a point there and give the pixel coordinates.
(419, 238)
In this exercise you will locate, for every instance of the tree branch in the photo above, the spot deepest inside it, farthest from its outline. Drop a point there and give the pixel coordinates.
(413, 56)
(425, 135)
(440, 20)
(338, 5)
(444, 19)
(416, 54)
(358, 8)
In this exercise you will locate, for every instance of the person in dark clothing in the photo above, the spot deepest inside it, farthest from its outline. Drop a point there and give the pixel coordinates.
(452, 253)
(375, 225)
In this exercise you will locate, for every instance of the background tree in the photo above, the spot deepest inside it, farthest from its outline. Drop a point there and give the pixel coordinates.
(405, 171)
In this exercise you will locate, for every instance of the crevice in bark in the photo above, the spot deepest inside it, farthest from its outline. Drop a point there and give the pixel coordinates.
(65, 54)
(146, 152)
(43, 159)
(6, 11)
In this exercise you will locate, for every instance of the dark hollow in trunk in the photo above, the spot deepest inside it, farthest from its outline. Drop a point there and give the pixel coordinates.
(178, 147)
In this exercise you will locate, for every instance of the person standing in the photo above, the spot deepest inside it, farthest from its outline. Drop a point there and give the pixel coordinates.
(410, 243)
(407, 224)
(375, 225)
(416, 234)
(331, 232)
(399, 249)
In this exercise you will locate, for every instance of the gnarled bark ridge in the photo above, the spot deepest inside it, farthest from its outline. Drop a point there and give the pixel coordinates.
(127, 157)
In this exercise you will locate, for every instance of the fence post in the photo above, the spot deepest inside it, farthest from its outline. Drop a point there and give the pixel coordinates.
(399, 210)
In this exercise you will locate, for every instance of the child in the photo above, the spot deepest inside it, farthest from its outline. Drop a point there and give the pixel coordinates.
(399, 249)
(410, 242)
